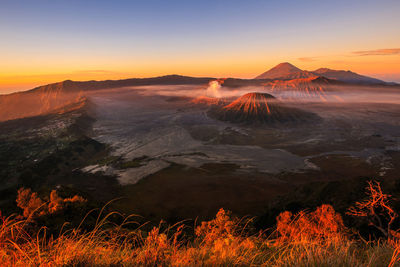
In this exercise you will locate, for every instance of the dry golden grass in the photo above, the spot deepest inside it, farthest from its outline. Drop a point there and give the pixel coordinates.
(308, 238)
(221, 241)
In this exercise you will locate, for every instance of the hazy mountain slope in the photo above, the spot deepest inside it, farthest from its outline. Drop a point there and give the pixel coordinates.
(37, 102)
(208, 101)
(305, 87)
(299, 75)
(347, 76)
(47, 98)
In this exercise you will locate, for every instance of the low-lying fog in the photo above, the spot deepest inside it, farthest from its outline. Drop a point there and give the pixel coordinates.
(331, 94)
(162, 124)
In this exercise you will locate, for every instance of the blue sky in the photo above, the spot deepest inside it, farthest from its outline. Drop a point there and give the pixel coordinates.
(219, 38)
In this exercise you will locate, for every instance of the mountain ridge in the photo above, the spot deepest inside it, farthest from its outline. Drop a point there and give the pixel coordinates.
(43, 99)
(347, 76)
(46, 98)
(287, 71)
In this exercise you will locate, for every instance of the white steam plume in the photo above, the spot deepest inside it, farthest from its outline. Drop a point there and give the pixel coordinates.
(213, 89)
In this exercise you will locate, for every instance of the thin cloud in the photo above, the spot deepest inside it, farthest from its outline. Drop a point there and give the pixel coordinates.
(307, 59)
(96, 72)
(378, 52)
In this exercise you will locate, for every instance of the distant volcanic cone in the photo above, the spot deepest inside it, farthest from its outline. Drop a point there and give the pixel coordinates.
(302, 88)
(279, 71)
(259, 108)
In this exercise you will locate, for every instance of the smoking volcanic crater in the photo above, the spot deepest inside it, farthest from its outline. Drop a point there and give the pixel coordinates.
(260, 108)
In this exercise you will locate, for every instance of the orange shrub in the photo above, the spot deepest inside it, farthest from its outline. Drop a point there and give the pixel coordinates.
(222, 240)
(223, 226)
(32, 205)
(323, 224)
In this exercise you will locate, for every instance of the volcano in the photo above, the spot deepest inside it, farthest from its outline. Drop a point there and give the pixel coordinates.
(313, 87)
(281, 70)
(259, 108)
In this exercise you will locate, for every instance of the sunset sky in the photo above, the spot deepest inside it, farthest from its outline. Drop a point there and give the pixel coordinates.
(46, 41)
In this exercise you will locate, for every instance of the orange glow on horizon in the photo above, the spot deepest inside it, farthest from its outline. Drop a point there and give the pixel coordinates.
(378, 66)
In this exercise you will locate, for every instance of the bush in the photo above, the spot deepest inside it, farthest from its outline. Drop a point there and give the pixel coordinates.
(33, 206)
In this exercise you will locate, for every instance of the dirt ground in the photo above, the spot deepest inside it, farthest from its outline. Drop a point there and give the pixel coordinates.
(192, 164)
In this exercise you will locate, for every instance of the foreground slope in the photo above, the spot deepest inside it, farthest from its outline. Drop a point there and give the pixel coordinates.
(317, 237)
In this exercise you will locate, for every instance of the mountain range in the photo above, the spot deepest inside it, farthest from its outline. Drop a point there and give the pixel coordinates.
(283, 77)
(287, 71)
